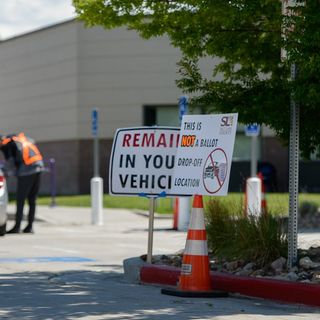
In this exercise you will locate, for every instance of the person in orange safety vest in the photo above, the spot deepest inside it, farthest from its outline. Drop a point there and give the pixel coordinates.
(23, 160)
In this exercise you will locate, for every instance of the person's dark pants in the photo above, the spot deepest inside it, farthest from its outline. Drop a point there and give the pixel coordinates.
(27, 188)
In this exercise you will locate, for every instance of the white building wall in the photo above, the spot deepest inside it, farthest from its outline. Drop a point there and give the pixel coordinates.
(120, 73)
(52, 78)
(38, 83)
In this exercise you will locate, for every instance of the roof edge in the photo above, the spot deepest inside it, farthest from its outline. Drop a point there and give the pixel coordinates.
(50, 26)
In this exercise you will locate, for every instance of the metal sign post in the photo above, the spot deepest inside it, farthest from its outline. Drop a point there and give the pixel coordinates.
(253, 130)
(293, 177)
(254, 159)
(183, 207)
(293, 151)
(152, 201)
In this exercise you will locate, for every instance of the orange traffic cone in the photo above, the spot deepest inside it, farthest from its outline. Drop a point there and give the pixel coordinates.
(195, 278)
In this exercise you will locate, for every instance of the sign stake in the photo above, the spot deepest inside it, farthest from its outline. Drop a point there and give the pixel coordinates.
(152, 201)
(293, 178)
(254, 158)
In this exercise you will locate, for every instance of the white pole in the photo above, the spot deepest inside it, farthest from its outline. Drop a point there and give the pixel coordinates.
(184, 213)
(96, 182)
(97, 201)
(253, 194)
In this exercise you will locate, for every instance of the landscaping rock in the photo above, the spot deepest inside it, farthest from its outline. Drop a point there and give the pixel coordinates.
(316, 277)
(231, 266)
(304, 275)
(292, 276)
(278, 265)
(314, 253)
(306, 263)
(308, 270)
(243, 272)
(258, 273)
(249, 266)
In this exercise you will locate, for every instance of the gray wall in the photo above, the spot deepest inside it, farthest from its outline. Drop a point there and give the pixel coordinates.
(38, 83)
(52, 78)
(119, 72)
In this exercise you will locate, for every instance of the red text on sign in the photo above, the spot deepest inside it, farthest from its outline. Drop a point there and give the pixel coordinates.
(150, 140)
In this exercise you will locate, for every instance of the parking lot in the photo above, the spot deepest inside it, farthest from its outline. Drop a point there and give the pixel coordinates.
(70, 269)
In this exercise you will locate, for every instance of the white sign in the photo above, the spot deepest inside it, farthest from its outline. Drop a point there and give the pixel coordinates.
(142, 161)
(204, 155)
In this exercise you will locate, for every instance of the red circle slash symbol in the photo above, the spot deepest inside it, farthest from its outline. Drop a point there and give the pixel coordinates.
(215, 170)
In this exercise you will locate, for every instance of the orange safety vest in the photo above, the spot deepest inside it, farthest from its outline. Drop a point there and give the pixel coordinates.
(5, 141)
(30, 152)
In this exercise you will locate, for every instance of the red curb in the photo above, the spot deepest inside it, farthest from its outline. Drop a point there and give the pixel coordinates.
(278, 290)
(163, 275)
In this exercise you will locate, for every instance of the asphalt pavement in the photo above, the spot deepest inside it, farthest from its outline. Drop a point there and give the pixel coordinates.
(71, 269)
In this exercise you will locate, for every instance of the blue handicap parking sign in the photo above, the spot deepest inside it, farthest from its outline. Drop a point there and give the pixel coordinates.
(252, 130)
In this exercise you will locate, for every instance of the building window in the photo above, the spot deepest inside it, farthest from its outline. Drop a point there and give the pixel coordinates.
(167, 115)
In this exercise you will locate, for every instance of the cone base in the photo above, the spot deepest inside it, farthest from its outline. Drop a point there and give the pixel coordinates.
(195, 294)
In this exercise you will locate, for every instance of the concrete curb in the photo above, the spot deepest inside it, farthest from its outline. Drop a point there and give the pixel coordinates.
(132, 268)
(277, 290)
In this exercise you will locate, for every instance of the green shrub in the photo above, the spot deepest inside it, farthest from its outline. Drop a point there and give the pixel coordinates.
(232, 235)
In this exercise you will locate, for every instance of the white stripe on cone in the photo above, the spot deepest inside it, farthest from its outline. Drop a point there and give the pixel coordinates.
(196, 248)
(197, 220)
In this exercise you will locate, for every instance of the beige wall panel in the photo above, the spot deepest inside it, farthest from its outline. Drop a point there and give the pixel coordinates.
(120, 73)
(38, 83)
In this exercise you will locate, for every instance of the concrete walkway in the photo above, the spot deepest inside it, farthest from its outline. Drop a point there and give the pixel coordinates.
(70, 269)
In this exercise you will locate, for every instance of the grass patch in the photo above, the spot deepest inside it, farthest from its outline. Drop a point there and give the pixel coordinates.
(277, 203)
(232, 236)
(163, 205)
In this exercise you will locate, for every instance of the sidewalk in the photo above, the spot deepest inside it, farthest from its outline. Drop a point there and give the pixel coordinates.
(82, 216)
(70, 269)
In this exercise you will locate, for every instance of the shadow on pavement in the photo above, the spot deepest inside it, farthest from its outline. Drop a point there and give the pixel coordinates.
(105, 295)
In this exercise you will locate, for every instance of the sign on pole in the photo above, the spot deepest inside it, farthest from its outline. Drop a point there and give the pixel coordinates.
(183, 107)
(252, 130)
(142, 161)
(94, 122)
(203, 160)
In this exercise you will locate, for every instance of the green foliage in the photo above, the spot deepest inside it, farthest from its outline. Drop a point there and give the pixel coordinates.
(231, 235)
(246, 36)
